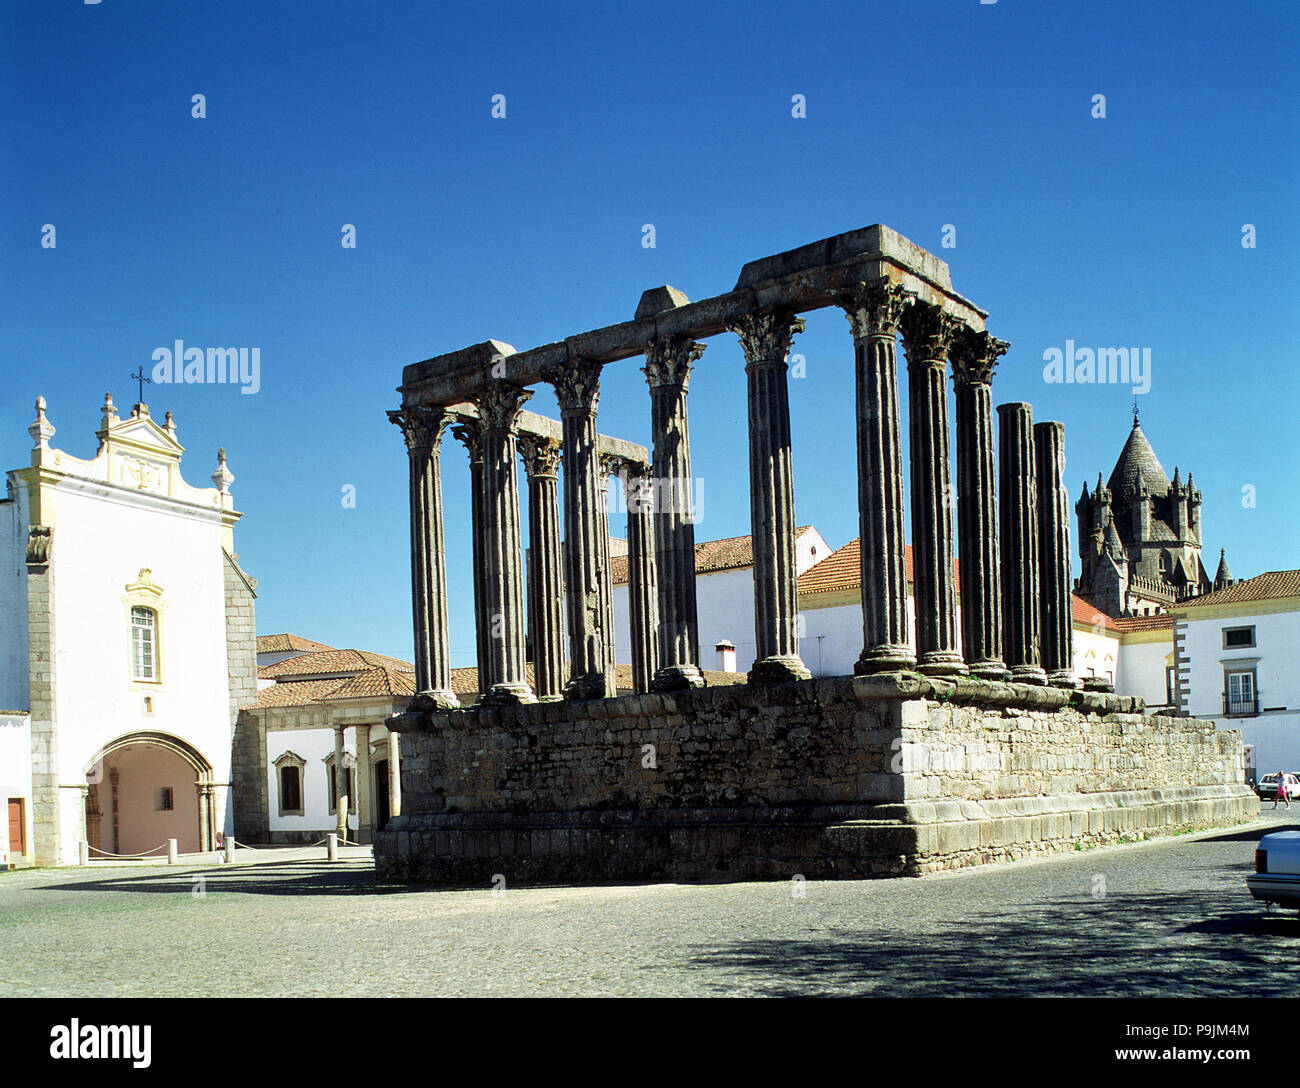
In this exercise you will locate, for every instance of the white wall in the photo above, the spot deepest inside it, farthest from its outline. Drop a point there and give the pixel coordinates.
(102, 542)
(14, 692)
(315, 746)
(1142, 670)
(15, 777)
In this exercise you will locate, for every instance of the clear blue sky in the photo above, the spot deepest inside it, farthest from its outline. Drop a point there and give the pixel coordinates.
(225, 231)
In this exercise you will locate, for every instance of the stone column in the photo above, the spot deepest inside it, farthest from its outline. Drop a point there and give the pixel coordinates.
(642, 587)
(577, 388)
(765, 336)
(423, 427)
(394, 774)
(1057, 636)
(340, 785)
(503, 584)
(874, 311)
(1018, 514)
(607, 465)
(545, 564)
(668, 371)
(365, 810)
(471, 436)
(927, 335)
(974, 357)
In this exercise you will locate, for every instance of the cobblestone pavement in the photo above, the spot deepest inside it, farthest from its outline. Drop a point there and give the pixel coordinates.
(1167, 917)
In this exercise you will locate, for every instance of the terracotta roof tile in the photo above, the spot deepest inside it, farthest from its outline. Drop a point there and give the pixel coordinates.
(841, 570)
(1263, 587)
(284, 643)
(730, 553)
(1160, 621)
(327, 662)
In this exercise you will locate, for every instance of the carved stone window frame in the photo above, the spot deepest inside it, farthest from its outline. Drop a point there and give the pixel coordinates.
(290, 759)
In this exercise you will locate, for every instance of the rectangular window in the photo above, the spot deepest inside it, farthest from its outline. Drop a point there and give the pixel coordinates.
(163, 799)
(1236, 638)
(144, 644)
(290, 790)
(1170, 678)
(1239, 694)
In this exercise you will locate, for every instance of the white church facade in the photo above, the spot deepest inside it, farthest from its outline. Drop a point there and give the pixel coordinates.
(127, 645)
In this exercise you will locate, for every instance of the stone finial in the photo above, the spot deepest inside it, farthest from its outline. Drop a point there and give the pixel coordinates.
(169, 425)
(223, 477)
(41, 430)
(110, 412)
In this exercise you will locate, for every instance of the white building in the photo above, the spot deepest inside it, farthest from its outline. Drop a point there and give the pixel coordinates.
(1238, 650)
(126, 646)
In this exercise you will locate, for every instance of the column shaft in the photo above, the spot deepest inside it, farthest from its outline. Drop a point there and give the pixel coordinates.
(394, 774)
(1057, 637)
(1018, 510)
(545, 565)
(423, 429)
(498, 406)
(340, 785)
(668, 371)
(471, 436)
(874, 311)
(766, 336)
(927, 335)
(974, 357)
(577, 388)
(365, 811)
(643, 602)
(606, 581)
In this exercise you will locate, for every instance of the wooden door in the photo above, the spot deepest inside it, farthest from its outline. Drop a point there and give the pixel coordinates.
(17, 828)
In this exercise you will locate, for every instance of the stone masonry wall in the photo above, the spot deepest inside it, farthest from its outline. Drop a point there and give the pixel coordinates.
(248, 748)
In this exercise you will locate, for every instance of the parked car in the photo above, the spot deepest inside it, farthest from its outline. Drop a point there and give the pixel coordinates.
(1276, 878)
(1267, 788)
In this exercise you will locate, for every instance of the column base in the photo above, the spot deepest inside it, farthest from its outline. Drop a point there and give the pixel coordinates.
(582, 688)
(1028, 674)
(778, 669)
(941, 663)
(1097, 683)
(512, 694)
(989, 669)
(434, 699)
(889, 657)
(1062, 678)
(677, 678)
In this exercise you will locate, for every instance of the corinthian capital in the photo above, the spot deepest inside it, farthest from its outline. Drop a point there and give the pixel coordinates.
(669, 361)
(928, 333)
(541, 455)
(766, 334)
(498, 405)
(577, 384)
(469, 432)
(422, 426)
(874, 309)
(974, 355)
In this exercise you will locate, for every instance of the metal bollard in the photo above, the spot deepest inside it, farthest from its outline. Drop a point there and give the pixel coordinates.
(83, 853)
(229, 851)
(171, 852)
(332, 846)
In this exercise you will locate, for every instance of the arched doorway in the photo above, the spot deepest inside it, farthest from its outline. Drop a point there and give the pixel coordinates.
(145, 788)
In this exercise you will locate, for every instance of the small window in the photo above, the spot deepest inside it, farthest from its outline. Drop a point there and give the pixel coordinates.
(290, 789)
(163, 799)
(1240, 695)
(144, 644)
(1236, 638)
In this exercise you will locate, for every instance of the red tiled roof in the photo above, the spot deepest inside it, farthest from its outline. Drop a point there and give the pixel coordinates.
(842, 570)
(376, 683)
(331, 662)
(730, 553)
(1263, 587)
(285, 643)
(1159, 622)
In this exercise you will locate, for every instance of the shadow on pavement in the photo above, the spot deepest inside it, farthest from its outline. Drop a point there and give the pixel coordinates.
(272, 878)
(1123, 946)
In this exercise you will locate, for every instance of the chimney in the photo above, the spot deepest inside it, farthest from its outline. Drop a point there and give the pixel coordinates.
(726, 652)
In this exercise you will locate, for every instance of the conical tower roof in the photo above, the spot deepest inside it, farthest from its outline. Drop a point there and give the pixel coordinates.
(1137, 464)
(1223, 576)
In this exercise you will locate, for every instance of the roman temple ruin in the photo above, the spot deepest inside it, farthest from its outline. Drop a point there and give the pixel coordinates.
(975, 745)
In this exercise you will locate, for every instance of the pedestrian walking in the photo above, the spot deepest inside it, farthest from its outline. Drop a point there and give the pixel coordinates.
(1282, 794)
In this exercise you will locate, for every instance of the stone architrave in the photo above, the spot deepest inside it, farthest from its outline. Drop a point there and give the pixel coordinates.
(498, 407)
(874, 311)
(471, 436)
(577, 388)
(928, 332)
(422, 428)
(643, 601)
(1018, 515)
(765, 336)
(974, 357)
(668, 372)
(1057, 636)
(545, 564)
